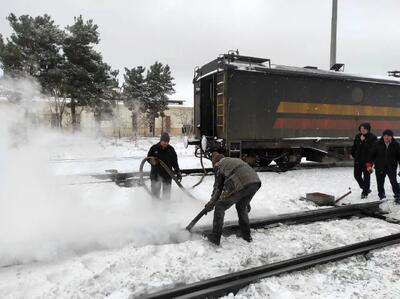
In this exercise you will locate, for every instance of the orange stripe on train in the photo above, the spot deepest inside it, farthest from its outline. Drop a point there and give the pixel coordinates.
(337, 109)
(330, 124)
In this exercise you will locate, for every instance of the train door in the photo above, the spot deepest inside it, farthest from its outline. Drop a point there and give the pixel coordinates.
(207, 106)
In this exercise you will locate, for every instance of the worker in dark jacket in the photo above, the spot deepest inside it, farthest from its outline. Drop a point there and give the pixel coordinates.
(235, 183)
(385, 155)
(159, 176)
(360, 152)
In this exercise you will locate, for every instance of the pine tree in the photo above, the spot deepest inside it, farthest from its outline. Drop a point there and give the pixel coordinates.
(82, 63)
(106, 92)
(64, 63)
(134, 94)
(10, 58)
(35, 46)
(34, 49)
(159, 86)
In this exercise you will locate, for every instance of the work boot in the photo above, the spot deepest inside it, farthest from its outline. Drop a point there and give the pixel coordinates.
(247, 238)
(213, 238)
(382, 196)
(364, 194)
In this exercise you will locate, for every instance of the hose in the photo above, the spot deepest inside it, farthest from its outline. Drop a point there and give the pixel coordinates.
(167, 170)
(204, 170)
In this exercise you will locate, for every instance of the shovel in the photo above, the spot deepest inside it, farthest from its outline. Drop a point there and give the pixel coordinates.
(196, 219)
(323, 199)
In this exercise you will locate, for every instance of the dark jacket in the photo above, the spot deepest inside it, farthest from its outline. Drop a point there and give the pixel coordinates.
(361, 149)
(168, 156)
(382, 156)
(232, 175)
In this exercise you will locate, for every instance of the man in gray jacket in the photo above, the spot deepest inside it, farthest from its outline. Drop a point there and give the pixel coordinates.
(235, 183)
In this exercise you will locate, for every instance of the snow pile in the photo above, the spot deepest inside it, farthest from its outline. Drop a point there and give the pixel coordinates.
(130, 272)
(371, 276)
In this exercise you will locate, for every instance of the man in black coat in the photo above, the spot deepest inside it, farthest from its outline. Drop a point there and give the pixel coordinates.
(360, 152)
(158, 176)
(385, 155)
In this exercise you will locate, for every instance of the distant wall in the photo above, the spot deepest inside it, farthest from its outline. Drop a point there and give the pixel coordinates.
(119, 124)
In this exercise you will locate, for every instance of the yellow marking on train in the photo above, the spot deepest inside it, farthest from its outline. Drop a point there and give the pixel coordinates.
(337, 109)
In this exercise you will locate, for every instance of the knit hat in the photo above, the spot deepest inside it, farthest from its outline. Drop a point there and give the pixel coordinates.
(387, 132)
(164, 137)
(366, 126)
(216, 157)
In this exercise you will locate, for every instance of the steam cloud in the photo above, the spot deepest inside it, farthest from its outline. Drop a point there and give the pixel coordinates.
(42, 219)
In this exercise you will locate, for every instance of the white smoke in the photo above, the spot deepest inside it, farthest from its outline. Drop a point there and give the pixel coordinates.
(43, 219)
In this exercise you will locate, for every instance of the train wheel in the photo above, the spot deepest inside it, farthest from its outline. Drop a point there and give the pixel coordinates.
(285, 166)
(264, 162)
(288, 162)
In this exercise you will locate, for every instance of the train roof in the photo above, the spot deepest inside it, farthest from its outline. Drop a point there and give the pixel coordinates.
(263, 65)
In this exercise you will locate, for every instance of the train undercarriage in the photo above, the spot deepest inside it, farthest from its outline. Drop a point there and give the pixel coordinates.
(285, 153)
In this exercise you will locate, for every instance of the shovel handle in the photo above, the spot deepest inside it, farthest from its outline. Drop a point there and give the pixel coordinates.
(343, 196)
(196, 219)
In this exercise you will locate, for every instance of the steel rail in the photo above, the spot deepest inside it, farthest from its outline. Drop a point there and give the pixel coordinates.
(125, 175)
(376, 214)
(99, 159)
(233, 282)
(362, 210)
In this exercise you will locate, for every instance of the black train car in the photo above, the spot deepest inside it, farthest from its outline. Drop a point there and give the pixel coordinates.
(247, 108)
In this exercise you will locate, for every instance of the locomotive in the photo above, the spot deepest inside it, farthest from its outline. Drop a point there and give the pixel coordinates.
(246, 107)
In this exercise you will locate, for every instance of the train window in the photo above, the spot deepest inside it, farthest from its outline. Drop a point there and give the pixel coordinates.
(357, 94)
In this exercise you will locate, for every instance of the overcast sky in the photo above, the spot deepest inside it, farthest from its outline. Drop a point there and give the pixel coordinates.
(188, 33)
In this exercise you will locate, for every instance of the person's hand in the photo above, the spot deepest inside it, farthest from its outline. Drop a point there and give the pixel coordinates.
(153, 161)
(351, 157)
(369, 167)
(179, 176)
(210, 205)
(248, 208)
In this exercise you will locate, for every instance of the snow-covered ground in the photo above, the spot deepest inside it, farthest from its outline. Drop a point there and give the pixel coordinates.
(99, 240)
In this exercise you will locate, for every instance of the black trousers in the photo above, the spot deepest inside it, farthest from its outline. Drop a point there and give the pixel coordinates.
(241, 199)
(380, 180)
(362, 176)
(156, 187)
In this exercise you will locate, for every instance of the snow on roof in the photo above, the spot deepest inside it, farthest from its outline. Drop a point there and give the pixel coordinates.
(334, 73)
(257, 67)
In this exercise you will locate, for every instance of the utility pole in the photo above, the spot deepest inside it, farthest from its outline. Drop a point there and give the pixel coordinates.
(333, 33)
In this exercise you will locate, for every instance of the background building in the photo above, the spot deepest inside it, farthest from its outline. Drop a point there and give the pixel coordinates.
(177, 120)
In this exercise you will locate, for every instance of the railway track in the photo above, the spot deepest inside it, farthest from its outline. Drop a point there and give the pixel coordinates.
(79, 160)
(233, 282)
(369, 209)
(129, 179)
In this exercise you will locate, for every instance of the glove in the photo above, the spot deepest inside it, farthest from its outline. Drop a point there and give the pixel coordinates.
(369, 167)
(248, 208)
(179, 176)
(153, 161)
(210, 205)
